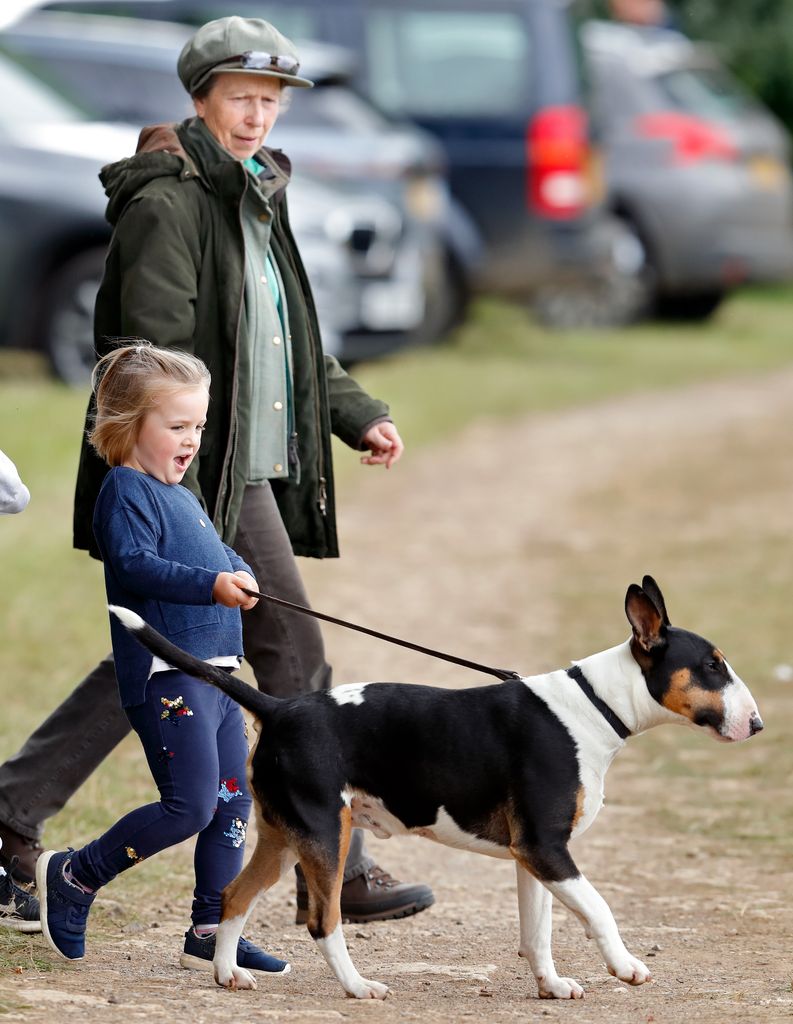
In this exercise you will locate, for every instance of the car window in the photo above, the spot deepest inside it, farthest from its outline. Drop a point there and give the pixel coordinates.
(333, 107)
(448, 63)
(113, 90)
(26, 99)
(706, 92)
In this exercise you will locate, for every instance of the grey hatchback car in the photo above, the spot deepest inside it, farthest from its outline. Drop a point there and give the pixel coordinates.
(697, 170)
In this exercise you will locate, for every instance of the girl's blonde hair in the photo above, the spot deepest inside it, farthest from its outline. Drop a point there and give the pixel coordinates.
(127, 383)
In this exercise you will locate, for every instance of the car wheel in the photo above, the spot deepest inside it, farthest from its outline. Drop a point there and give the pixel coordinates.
(68, 326)
(621, 291)
(448, 299)
(693, 307)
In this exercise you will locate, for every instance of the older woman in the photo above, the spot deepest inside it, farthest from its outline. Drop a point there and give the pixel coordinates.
(203, 259)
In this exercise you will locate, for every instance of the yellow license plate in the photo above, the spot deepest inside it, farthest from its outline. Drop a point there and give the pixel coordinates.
(767, 172)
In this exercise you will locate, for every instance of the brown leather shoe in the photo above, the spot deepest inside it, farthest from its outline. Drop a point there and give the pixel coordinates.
(25, 851)
(373, 896)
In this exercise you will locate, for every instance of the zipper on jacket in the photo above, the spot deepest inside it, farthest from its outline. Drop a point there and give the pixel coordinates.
(322, 498)
(231, 448)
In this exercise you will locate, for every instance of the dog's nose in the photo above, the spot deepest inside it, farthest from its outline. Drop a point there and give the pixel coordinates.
(755, 725)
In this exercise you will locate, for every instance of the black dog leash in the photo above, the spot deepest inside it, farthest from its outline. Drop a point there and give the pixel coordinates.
(500, 673)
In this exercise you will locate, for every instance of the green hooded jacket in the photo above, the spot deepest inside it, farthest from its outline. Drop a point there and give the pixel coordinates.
(175, 275)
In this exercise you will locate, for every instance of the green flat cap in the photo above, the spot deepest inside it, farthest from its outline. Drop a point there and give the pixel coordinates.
(248, 45)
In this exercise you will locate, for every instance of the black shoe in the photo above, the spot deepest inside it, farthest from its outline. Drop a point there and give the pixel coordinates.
(372, 896)
(18, 909)
(21, 852)
(64, 905)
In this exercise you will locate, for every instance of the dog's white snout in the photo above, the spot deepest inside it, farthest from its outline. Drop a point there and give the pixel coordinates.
(741, 717)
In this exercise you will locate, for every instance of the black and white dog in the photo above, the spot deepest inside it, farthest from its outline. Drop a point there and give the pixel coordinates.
(512, 770)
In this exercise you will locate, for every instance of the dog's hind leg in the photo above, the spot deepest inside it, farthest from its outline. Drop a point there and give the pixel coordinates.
(271, 858)
(534, 907)
(324, 877)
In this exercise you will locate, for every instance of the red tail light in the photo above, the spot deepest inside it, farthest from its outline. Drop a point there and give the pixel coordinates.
(692, 140)
(557, 163)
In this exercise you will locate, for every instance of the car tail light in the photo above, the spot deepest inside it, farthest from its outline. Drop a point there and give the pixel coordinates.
(557, 163)
(692, 139)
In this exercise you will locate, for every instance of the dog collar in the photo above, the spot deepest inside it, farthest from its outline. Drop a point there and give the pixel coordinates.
(616, 723)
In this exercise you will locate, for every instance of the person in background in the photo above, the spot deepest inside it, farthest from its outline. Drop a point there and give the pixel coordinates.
(644, 12)
(19, 910)
(203, 259)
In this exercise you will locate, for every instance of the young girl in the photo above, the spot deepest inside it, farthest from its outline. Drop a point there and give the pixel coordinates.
(163, 559)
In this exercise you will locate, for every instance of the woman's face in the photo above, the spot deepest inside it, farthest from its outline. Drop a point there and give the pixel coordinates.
(240, 110)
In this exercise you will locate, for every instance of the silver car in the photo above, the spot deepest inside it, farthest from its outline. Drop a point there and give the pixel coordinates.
(696, 168)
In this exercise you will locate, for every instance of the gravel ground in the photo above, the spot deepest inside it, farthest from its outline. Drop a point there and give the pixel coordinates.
(468, 547)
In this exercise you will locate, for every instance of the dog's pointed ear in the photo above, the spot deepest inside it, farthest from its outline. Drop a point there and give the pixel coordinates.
(653, 591)
(647, 619)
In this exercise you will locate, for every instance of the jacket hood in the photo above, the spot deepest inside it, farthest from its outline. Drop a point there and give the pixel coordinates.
(184, 151)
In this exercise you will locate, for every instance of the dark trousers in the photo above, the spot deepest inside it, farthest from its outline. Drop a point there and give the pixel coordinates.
(194, 740)
(284, 649)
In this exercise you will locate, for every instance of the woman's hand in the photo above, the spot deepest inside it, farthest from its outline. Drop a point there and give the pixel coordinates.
(228, 590)
(384, 444)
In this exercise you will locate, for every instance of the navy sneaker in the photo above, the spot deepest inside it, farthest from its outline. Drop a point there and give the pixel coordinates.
(18, 909)
(199, 952)
(64, 906)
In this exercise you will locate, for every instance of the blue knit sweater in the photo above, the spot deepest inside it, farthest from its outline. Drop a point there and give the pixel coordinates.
(162, 556)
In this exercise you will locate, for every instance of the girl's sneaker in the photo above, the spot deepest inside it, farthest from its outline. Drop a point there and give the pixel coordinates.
(64, 905)
(200, 951)
(18, 909)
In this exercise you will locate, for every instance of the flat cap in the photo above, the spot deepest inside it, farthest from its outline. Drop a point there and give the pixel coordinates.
(248, 45)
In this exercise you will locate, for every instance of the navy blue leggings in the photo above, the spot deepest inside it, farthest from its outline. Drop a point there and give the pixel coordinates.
(194, 739)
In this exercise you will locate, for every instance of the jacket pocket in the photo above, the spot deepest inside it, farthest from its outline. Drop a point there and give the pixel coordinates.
(179, 618)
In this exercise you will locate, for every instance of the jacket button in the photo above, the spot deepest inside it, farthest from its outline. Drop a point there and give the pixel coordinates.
(278, 406)
(276, 340)
(264, 216)
(278, 467)
(263, 279)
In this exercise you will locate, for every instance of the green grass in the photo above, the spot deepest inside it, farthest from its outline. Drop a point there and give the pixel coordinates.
(21, 953)
(500, 365)
(503, 364)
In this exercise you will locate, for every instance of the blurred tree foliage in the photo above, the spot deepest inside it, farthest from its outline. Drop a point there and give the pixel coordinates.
(754, 37)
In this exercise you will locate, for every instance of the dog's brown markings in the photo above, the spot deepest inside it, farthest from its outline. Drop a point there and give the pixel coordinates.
(262, 870)
(324, 880)
(684, 697)
(579, 806)
(496, 827)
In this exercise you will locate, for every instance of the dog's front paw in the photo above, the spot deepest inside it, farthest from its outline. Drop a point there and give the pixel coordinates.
(234, 977)
(364, 989)
(630, 970)
(559, 988)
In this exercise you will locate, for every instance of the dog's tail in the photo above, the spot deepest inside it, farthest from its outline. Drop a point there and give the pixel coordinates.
(252, 700)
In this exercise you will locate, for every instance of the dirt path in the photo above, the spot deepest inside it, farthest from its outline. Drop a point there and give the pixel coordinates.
(483, 546)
